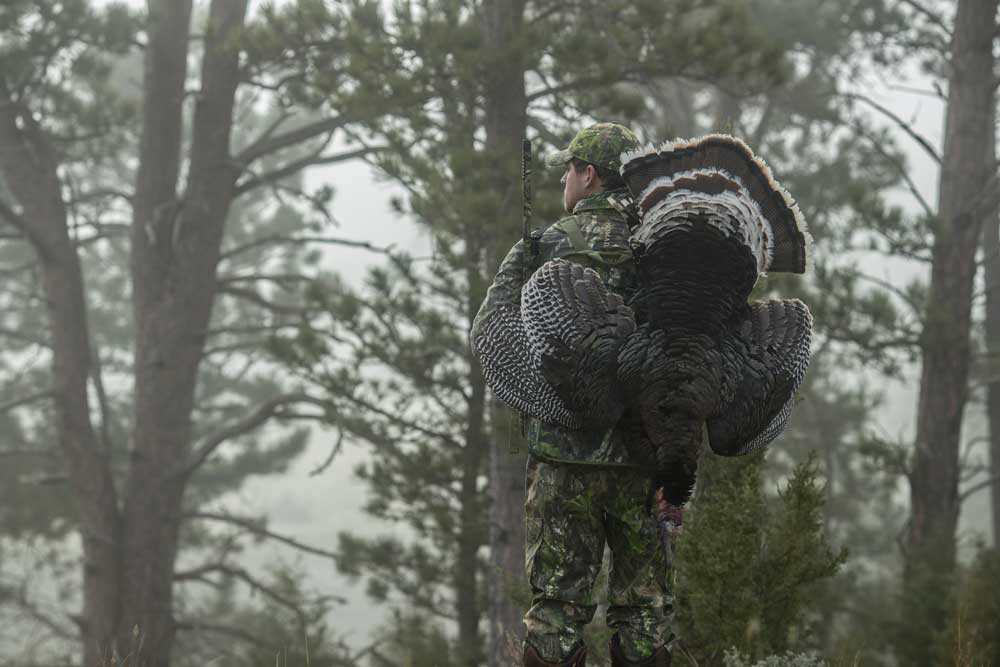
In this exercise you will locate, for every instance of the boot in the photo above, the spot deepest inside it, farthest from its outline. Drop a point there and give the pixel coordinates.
(577, 658)
(660, 657)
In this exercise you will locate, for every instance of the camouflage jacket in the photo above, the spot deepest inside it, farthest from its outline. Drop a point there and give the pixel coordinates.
(595, 235)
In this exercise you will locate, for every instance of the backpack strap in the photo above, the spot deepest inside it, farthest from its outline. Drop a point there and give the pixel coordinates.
(576, 239)
(608, 258)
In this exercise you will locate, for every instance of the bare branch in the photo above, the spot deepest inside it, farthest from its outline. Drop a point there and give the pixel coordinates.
(251, 421)
(583, 82)
(937, 93)
(889, 287)
(294, 167)
(279, 278)
(902, 124)
(304, 240)
(337, 446)
(234, 347)
(20, 599)
(256, 527)
(254, 583)
(272, 128)
(25, 400)
(250, 330)
(103, 193)
(931, 16)
(976, 488)
(21, 336)
(903, 173)
(543, 131)
(29, 231)
(254, 297)
(271, 144)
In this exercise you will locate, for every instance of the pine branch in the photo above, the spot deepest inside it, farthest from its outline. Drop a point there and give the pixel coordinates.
(253, 420)
(444, 438)
(254, 526)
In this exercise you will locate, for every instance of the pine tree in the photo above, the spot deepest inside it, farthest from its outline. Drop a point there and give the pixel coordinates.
(113, 194)
(458, 158)
(748, 566)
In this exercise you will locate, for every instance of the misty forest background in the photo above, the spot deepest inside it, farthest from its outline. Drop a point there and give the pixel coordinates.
(241, 247)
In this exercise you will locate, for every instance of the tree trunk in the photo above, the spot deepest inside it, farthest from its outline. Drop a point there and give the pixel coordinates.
(469, 606)
(175, 250)
(506, 121)
(29, 168)
(965, 169)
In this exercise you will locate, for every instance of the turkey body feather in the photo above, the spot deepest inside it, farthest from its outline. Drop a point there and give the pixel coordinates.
(688, 356)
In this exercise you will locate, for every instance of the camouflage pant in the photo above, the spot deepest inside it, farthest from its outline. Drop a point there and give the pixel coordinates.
(570, 513)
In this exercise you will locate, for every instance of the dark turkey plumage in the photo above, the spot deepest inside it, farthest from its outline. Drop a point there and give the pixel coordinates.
(688, 356)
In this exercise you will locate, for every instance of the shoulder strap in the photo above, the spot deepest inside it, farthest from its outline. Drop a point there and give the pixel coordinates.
(576, 239)
(581, 248)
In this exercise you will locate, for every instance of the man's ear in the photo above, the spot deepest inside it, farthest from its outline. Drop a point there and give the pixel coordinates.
(592, 177)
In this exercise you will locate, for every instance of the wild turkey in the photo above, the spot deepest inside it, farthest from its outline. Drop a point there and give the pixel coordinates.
(688, 354)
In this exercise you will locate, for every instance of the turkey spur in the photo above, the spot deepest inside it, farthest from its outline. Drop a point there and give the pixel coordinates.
(687, 355)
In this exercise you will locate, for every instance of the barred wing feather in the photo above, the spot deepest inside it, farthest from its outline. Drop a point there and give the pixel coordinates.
(556, 359)
(776, 338)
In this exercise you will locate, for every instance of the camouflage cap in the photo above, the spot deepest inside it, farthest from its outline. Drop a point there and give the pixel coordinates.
(601, 144)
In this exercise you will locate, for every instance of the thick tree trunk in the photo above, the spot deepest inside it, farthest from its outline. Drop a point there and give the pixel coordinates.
(965, 169)
(506, 121)
(29, 169)
(175, 250)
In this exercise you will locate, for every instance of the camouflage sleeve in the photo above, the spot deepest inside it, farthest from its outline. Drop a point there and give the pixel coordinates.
(506, 288)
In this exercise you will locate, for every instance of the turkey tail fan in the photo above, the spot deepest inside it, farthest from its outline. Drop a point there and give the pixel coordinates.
(775, 354)
(722, 168)
(506, 359)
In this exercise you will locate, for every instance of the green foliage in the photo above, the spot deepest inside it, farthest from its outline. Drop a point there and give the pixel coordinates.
(391, 359)
(748, 567)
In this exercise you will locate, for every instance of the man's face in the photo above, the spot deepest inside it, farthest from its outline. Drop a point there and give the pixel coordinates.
(576, 185)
